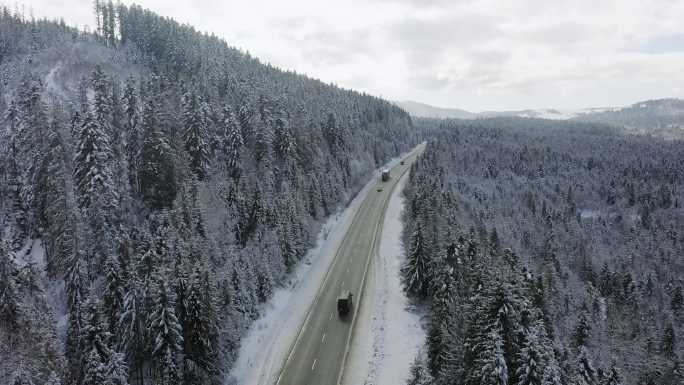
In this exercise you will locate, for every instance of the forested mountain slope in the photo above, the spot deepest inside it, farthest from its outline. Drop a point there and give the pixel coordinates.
(548, 252)
(662, 117)
(156, 185)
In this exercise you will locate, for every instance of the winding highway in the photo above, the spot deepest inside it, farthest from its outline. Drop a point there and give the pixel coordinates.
(320, 350)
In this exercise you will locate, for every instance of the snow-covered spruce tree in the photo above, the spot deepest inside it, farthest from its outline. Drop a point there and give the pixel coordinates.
(113, 295)
(419, 375)
(233, 143)
(613, 376)
(59, 228)
(157, 171)
(438, 331)
(199, 331)
(97, 197)
(94, 335)
(9, 296)
(132, 133)
(417, 271)
(537, 364)
(585, 373)
(53, 379)
(263, 130)
(582, 331)
(132, 327)
(492, 363)
(117, 370)
(165, 333)
(668, 342)
(94, 371)
(30, 143)
(195, 133)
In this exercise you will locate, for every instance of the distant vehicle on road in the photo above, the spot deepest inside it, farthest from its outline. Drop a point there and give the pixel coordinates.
(344, 303)
(385, 175)
(402, 162)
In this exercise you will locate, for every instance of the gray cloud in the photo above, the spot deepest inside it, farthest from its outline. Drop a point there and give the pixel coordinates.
(473, 54)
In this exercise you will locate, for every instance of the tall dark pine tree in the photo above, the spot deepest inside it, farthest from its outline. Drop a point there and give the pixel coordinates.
(166, 334)
(59, 234)
(96, 194)
(199, 330)
(417, 268)
(195, 134)
(9, 296)
(233, 143)
(156, 175)
(132, 133)
(133, 326)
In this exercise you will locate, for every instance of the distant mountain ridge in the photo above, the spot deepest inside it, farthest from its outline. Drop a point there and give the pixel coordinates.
(423, 110)
(664, 117)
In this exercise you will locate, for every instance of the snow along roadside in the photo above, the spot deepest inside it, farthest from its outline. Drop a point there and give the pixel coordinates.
(265, 347)
(388, 333)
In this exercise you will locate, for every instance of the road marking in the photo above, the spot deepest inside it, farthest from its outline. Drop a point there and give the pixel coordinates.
(342, 283)
(347, 270)
(331, 314)
(323, 339)
(314, 365)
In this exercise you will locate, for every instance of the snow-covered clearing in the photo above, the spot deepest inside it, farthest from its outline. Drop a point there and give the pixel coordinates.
(388, 332)
(265, 347)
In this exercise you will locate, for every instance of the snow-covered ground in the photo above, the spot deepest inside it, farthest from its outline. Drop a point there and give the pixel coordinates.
(388, 332)
(265, 347)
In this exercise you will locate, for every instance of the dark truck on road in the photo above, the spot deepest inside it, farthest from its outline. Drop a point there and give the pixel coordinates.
(385, 175)
(344, 303)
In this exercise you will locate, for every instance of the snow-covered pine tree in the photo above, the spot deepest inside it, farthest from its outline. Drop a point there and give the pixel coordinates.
(113, 295)
(97, 197)
(132, 135)
(199, 331)
(613, 376)
(585, 373)
(9, 296)
(165, 332)
(133, 326)
(533, 358)
(438, 330)
(416, 271)
(53, 379)
(233, 143)
(94, 371)
(59, 230)
(94, 335)
(582, 331)
(492, 363)
(157, 171)
(195, 133)
(419, 375)
(263, 130)
(116, 370)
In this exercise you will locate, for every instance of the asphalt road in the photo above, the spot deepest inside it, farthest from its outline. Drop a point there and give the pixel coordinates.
(319, 352)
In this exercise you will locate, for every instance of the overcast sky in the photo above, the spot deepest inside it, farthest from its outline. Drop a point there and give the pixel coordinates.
(471, 54)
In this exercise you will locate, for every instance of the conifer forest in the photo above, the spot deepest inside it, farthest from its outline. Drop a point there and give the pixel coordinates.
(161, 190)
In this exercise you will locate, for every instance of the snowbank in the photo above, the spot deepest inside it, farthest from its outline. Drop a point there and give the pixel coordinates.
(265, 347)
(388, 332)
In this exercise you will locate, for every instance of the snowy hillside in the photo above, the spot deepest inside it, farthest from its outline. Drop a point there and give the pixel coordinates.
(170, 185)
